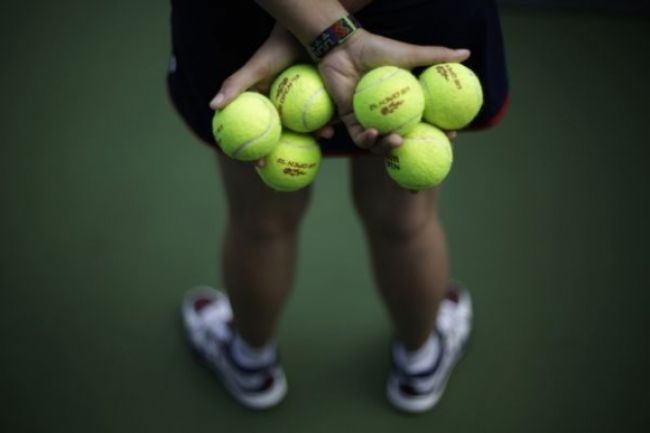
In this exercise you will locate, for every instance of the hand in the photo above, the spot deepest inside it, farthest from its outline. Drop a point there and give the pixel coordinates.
(342, 68)
(279, 51)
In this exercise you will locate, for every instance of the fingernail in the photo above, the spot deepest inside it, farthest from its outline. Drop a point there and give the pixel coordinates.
(217, 100)
(461, 52)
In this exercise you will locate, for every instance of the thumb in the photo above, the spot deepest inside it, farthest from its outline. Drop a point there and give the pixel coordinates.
(233, 86)
(409, 56)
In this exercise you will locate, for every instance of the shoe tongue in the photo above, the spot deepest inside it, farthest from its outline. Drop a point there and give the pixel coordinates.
(452, 293)
(421, 360)
(217, 318)
(250, 357)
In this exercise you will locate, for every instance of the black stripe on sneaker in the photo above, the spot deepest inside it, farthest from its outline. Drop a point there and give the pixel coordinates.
(226, 347)
(264, 373)
(407, 380)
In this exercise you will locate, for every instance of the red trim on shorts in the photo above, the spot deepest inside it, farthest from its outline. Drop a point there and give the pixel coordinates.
(496, 119)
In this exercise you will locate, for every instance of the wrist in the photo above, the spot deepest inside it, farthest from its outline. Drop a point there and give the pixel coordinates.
(350, 49)
(337, 34)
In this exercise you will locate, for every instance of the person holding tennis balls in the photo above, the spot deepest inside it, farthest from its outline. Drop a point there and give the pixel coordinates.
(222, 49)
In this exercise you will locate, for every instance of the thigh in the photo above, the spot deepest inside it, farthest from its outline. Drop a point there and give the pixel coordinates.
(253, 204)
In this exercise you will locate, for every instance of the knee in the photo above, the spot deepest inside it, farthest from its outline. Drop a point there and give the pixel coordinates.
(398, 225)
(265, 228)
(394, 222)
(264, 224)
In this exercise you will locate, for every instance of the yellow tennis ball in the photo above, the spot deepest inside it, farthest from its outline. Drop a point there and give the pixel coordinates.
(388, 99)
(293, 164)
(301, 99)
(248, 128)
(453, 95)
(423, 160)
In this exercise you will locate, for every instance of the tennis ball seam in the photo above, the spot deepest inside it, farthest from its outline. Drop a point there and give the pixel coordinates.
(470, 92)
(293, 165)
(242, 147)
(307, 105)
(378, 82)
(301, 98)
(477, 90)
(423, 161)
(409, 120)
(423, 139)
(388, 99)
(427, 92)
(296, 145)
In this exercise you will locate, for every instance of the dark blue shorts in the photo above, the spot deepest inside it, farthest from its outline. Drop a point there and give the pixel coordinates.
(211, 40)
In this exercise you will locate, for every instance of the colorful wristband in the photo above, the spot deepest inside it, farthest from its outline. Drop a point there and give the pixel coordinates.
(333, 36)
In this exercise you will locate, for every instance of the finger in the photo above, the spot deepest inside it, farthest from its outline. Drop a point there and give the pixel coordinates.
(425, 56)
(234, 85)
(362, 137)
(365, 139)
(391, 141)
(325, 132)
(260, 163)
(335, 120)
(264, 86)
(384, 144)
(410, 56)
(452, 134)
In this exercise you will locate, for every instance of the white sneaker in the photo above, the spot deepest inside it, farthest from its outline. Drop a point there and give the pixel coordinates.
(207, 318)
(420, 392)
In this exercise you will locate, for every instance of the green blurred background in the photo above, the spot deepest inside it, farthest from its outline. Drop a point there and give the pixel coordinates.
(111, 210)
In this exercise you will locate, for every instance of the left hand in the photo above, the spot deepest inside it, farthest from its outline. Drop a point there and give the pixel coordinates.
(279, 51)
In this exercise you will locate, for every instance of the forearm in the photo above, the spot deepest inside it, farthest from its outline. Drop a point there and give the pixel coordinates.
(355, 5)
(306, 19)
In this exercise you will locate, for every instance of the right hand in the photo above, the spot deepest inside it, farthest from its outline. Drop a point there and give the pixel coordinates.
(342, 68)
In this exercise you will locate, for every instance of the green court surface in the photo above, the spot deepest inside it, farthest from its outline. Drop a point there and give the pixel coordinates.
(111, 210)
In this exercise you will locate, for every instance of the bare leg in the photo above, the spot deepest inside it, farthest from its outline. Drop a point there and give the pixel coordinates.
(259, 249)
(408, 248)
